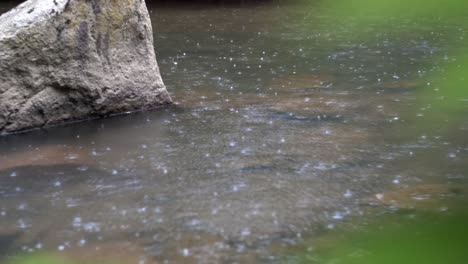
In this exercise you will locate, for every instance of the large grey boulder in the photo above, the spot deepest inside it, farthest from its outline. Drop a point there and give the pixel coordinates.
(67, 60)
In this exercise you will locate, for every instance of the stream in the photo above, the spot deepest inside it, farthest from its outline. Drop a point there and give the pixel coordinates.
(282, 130)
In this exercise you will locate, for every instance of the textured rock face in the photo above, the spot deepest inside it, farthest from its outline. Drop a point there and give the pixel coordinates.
(66, 60)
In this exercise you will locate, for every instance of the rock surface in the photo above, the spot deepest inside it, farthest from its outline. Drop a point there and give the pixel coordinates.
(67, 60)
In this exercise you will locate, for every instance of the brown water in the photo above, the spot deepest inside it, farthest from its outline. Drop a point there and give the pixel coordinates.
(282, 129)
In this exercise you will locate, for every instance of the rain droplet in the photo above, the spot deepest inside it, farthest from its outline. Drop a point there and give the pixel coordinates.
(452, 155)
(185, 252)
(348, 194)
(22, 224)
(245, 232)
(76, 222)
(337, 216)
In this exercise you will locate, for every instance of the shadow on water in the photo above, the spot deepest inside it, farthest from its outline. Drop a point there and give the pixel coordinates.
(7, 242)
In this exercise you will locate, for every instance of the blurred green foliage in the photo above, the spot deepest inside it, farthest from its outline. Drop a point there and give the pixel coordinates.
(54, 258)
(445, 100)
(422, 238)
(447, 103)
(37, 259)
(414, 8)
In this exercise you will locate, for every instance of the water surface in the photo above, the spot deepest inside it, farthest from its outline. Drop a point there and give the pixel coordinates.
(282, 129)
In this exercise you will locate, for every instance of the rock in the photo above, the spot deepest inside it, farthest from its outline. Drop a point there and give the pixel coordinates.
(423, 196)
(68, 60)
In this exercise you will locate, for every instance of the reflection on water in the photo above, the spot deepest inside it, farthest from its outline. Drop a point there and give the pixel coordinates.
(280, 131)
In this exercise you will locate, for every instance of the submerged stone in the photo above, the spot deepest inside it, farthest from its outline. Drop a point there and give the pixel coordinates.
(45, 156)
(424, 196)
(68, 60)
